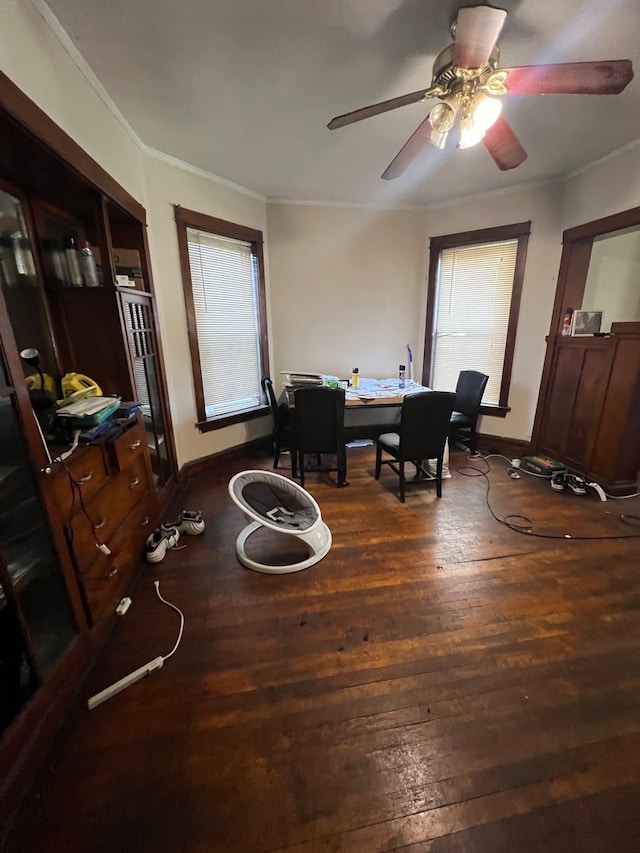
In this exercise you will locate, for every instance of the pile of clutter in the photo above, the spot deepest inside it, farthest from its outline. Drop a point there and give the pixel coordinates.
(168, 534)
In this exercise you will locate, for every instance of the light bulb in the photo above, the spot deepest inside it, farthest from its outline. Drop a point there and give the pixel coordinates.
(485, 111)
(470, 135)
(442, 117)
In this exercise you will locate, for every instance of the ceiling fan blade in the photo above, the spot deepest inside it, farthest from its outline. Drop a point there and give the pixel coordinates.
(504, 146)
(376, 109)
(420, 137)
(476, 33)
(570, 78)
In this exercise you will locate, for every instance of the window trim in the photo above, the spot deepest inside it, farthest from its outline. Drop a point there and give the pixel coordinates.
(519, 231)
(192, 219)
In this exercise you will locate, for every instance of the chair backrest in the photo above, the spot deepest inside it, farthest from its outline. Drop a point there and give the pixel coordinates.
(469, 390)
(424, 424)
(267, 387)
(276, 411)
(318, 416)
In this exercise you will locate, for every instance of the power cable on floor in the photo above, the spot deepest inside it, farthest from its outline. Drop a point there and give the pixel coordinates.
(511, 520)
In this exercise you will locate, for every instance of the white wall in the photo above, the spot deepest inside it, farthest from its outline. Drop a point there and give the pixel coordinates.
(348, 287)
(169, 184)
(607, 187)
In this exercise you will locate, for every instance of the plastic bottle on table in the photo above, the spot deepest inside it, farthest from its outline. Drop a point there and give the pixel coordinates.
(401, 375)
(355, 378)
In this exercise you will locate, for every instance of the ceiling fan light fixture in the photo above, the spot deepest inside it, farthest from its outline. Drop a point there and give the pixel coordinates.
(482, 113)
(485, 110)
(470, 135)
(438, 139)
(442, 117)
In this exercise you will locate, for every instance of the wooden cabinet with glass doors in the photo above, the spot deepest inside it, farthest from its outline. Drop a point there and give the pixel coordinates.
(67, 309)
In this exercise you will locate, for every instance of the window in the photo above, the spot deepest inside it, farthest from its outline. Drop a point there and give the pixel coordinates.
(223, 279)
(475, 281)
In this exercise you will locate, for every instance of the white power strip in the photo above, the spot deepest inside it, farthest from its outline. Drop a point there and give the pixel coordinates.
(108, 692)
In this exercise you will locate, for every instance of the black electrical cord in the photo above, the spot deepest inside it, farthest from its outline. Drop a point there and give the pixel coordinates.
(526, 528)
(76, 492)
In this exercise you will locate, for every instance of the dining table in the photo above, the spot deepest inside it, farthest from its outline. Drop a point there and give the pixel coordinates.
(370, 409)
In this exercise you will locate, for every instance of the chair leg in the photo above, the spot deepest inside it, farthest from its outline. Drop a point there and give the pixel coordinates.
(439, 475)
(301, 465)
(401, 469)
(276, 454)
(378, 460)
(342, 468)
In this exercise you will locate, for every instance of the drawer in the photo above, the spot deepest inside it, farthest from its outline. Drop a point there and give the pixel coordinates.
(129, 446)
(106, 511)
(86, 466)
(110, 575)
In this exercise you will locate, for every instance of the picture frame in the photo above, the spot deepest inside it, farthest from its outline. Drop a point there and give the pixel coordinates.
(586, 322)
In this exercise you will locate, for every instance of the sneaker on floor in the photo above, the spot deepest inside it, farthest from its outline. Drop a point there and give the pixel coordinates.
(189, 521)
(160, 542)
(577, 485)
(558, 481)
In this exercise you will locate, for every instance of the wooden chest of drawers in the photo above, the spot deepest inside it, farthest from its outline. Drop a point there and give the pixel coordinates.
(105, 498)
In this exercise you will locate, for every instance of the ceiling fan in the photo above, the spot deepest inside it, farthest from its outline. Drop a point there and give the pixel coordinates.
(468, 82)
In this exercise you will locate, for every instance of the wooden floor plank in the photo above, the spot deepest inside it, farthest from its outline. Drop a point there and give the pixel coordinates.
(438, 682)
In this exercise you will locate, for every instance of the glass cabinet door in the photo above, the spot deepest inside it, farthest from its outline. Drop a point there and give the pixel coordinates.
(36, 619)
(138, 317)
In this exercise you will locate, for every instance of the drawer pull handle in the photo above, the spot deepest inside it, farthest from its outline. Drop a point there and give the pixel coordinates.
(135, 444)
(85, 478)
(100, 524)
(134, 482)
(145, 521)
(114, 571)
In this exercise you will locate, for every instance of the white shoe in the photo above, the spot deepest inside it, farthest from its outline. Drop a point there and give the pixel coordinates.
(190, 522)
(160, 542)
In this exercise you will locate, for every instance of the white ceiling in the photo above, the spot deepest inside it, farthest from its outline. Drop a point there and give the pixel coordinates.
(244, 89)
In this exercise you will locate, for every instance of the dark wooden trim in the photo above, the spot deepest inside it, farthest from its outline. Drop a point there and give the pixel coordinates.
(229, 420)
(204, 222)
(427, 366)
(572, 279)
(189, 218)
(511, 447)
(608, 224)
(495, 411)
(22, 109)
(482, 235)
(514, 314)
(207, 465)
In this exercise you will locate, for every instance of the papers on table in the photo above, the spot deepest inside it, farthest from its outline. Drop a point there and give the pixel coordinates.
(381, 389)
(299, 379)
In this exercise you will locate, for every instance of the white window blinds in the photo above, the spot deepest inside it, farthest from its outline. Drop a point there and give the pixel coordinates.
(224, 282)
(475, 284)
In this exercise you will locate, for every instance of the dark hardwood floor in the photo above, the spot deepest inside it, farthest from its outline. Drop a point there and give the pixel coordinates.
(439, 682)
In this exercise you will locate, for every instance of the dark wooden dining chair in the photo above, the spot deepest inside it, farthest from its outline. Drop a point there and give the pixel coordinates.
(422, 435)
(318, 430)
(466, 409)
(281, 432)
